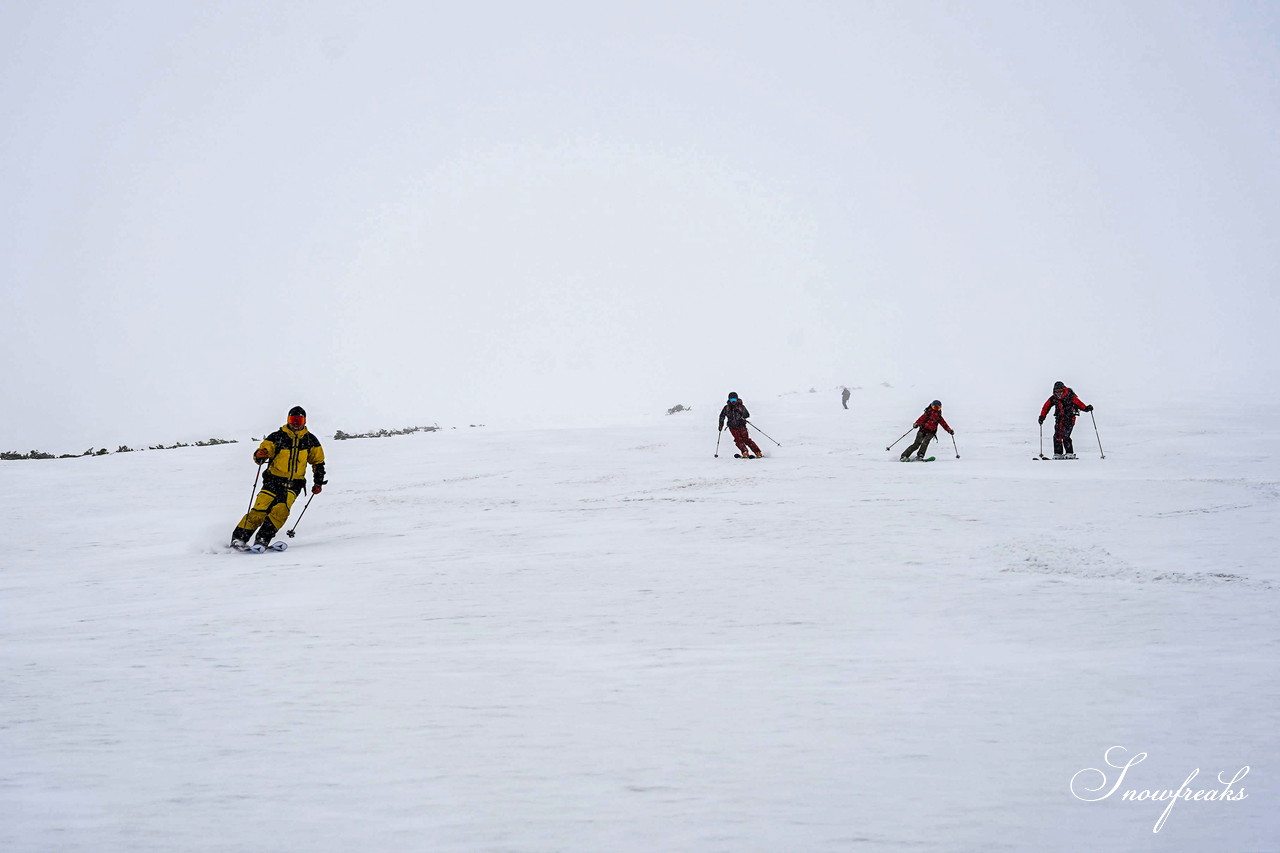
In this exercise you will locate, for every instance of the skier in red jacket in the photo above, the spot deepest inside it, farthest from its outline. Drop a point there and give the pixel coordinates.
(928, 424)
(1066, 405)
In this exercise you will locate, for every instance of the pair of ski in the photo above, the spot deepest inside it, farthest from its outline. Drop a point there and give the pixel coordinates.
(1052, 459)
(257, 547)
(747, 456)
(919, 459)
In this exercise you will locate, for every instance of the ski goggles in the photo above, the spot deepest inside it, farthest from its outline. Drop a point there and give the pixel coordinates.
(733, 399)
(296, 421)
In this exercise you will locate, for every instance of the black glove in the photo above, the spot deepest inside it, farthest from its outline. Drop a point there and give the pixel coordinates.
(953, 432)
(1042, 419)
(1088, 408)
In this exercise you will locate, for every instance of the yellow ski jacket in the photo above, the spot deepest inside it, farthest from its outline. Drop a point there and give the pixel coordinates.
(290, 451)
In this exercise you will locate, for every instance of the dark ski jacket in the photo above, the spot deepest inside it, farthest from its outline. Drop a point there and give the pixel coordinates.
(930, 420)
(735, 413)
(1065, 404)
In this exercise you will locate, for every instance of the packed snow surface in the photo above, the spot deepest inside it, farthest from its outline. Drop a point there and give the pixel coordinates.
(609, 640)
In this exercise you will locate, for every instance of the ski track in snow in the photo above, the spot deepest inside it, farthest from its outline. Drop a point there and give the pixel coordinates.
(607, 640)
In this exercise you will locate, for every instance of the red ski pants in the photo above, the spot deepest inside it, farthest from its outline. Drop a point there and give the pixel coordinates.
(743, 440)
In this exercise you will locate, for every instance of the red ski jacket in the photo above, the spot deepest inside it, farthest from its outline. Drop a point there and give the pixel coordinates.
(1065, 405)
(931, 419)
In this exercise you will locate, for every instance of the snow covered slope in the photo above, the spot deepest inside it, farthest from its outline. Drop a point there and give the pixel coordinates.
(608, 640)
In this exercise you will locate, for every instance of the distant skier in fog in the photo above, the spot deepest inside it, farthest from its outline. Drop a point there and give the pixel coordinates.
(1066, 406)
(844, 397)
(928, 424)
(736, 414)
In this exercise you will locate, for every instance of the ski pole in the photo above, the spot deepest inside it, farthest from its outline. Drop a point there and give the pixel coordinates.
(953, 444)
(292, 530)
(719, 433)
(254, 493)
(1095, 432)
(1041, 439)
(904, 435)
(765, 434)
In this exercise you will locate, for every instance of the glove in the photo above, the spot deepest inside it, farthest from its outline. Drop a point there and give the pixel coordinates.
(317, 489)
(953, 432)
(1042, 419)
(1088, 408)
(261, 455)
(720, 429)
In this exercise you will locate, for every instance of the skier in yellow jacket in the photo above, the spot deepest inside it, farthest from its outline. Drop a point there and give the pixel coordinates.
(287, 452)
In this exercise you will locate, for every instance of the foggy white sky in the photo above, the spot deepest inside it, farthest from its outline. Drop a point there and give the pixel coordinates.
(397, 213)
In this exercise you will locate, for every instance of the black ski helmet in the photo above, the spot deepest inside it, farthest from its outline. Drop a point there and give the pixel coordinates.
(1059, 385)
(733, 395)
(937, 403)
(297, 412)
